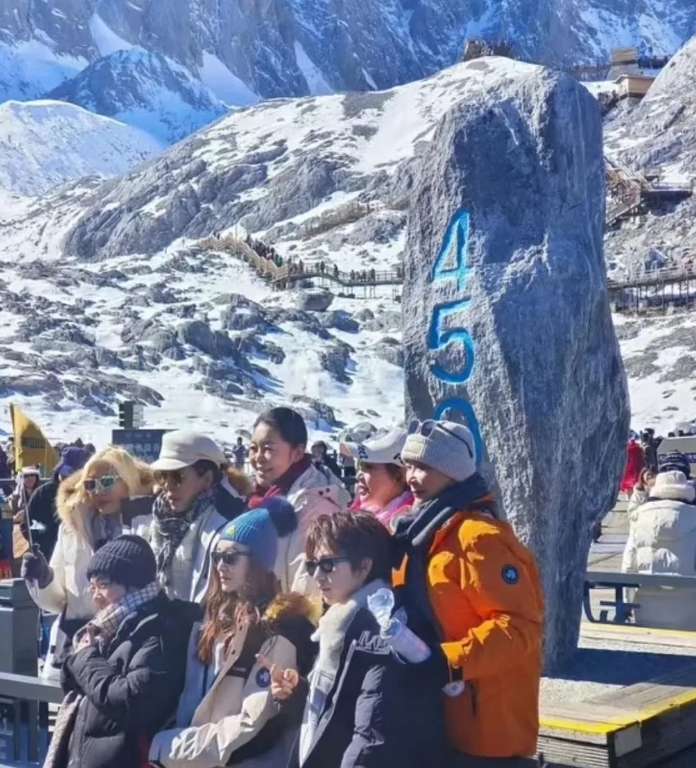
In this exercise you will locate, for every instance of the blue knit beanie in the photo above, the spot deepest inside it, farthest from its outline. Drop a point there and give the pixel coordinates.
(261, 528)
(675, 461)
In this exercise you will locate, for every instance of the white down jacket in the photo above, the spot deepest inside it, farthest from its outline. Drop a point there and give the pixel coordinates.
(662, 540)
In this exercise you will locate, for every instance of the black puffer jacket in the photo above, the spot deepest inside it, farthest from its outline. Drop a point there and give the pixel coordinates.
(131, 689)
(380, 713)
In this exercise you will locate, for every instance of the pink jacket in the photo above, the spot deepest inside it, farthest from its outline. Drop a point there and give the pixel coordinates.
(396, 507)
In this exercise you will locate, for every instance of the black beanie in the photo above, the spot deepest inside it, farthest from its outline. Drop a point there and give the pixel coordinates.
(127, 560)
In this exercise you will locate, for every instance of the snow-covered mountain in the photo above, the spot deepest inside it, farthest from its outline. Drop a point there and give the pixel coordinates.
(145, 90)
(44, 144)
(105, 293)
(658, 135)
(242, 50)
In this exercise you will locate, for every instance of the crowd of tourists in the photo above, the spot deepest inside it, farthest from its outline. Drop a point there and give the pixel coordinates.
(204, 618)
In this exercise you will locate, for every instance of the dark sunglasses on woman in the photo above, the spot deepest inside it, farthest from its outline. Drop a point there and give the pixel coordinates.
(104, 483)
(325, 565)
(173, 478)
(228, 558)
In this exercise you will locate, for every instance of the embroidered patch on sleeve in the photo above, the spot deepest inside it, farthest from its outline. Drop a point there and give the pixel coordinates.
(510, 574)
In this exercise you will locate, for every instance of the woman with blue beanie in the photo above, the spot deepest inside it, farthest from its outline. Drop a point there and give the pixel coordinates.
(226, 713)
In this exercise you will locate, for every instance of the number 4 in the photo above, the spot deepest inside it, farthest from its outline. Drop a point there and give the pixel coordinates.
(457, 237)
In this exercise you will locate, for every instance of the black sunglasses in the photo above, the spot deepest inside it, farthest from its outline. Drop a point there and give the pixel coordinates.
(427, 427)
(228, 558)
(325, 565)
(174, 478)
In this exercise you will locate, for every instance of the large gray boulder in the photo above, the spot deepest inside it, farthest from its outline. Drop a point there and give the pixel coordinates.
(314, 300)
(508, 315)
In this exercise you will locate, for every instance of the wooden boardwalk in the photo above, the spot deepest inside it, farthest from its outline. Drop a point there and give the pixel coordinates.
(651, 724)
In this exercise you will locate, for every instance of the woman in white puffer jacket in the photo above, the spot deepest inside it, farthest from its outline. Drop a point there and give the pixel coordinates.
(662, 540)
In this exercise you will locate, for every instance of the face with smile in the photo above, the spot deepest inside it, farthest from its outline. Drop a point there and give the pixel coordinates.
(105, 593)
(104, 488)
(425, 482)
(335, 576)
(377, 484)
(270, 456)
(231, 562)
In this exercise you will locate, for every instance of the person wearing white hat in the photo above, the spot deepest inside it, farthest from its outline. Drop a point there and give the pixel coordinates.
(662, 540)
(381, 478)
(195, 503)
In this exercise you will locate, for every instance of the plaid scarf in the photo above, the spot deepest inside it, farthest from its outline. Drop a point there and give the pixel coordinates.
(170, 529)
(106, 624)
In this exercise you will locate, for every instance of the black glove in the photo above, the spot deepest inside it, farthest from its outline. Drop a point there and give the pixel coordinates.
(35, 568)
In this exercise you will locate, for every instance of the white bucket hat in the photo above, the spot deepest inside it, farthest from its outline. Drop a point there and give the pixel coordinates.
(673, 485)
(378, 450)
(181, 449)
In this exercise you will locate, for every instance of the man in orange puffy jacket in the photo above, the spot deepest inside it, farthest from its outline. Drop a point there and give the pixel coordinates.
(472, 589)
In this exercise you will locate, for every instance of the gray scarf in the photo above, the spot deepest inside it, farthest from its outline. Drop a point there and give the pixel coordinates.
(170, 529)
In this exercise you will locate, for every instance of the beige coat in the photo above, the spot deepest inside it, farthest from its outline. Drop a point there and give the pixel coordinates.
(234, 710)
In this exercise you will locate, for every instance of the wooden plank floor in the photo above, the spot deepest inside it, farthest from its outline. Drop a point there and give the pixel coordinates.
(650, 724)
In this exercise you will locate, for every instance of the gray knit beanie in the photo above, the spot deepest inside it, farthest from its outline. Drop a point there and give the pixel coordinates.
(448, 448)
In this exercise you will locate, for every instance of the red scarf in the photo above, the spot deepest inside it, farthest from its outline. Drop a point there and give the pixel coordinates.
(282, 485)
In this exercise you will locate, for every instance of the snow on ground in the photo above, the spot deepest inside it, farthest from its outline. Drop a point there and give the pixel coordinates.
(46, 143)
(30, 69)
(105, 39)
(312, 74)
(215, 75)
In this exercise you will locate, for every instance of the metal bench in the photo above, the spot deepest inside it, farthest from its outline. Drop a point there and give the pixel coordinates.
(620, 581)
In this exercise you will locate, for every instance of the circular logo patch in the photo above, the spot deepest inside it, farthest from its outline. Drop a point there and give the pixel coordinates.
(510, 574)
(263, 678)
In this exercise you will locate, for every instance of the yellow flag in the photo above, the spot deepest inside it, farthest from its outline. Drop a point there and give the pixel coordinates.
(30, 446)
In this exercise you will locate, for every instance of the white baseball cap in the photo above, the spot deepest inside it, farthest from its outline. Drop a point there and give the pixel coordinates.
(385, 449)
(181, 449)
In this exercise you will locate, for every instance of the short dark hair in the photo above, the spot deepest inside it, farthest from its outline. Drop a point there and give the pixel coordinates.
(287, 423)
(203, 465)
(355, 536)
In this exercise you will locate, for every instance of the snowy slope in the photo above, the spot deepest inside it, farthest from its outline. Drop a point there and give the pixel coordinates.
(103, 294)
(147, 91)
(46, 143)
(299, 47)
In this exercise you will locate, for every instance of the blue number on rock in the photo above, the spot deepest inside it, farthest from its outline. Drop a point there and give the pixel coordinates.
(439, 339)
(465, 408)
(457, 237)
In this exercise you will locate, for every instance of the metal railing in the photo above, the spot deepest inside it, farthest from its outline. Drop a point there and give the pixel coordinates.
(654, 277)
(24, 717)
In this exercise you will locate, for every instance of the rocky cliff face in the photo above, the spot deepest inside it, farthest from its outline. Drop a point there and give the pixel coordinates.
(297, 47)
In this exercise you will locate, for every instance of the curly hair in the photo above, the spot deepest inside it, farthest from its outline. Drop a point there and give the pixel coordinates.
(137, 476)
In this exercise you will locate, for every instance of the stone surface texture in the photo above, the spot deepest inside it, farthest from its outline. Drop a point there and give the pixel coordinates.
(523, 156)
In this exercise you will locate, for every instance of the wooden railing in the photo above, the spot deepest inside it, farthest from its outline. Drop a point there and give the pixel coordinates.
(295, 271)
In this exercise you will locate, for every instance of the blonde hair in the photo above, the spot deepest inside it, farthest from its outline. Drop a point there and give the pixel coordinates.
(137, 475)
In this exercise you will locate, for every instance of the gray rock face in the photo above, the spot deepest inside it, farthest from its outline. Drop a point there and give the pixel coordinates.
(508, 322)
(335, 360)
(341, 321)
(314, 301)
(390, 350)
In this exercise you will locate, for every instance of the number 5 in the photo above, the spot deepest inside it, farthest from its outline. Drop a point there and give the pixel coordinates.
(439, 339)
